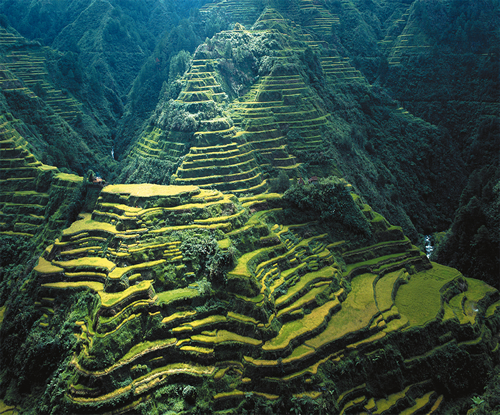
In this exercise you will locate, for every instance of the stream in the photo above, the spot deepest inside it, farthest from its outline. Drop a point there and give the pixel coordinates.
(429, 248)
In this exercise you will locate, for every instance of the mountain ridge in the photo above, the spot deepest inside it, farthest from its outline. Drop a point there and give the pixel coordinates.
(243, 291)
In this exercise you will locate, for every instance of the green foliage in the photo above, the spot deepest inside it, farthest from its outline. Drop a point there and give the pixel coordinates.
(202, 250)
(4, 21)
(281, 184)
(35, 352)
(76, 201)
(409, 170)
(477, 400)
(146, 170)
(473, 242)
(330, 202)
(459, 26)
(179, 64)
(488, 402)
(16, 261)
(195, 115)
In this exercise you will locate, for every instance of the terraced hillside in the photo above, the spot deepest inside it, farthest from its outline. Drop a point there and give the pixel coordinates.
(271, 116)
(204, 137)
(29, 189)
(215, 159)
(410, 41)
(339, 69)
(395, 26)
(27, 63)
(298, 319)
(277, 116)
(210, 293)
(243, 11)
(319, 19)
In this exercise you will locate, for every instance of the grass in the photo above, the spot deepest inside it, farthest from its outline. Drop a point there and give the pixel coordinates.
(396, 324)
(223, 225)
(87, 224)
(347, 392)
(478, 289)
(241, 317)
(83, 275)
(245, 261)
(297, 328)
(224, 336)
(213, 319)
(284, 276)
(420, 299)
(2, 313)
(384, 290)
(448, 312)
(146, 382)
(92, 285)
(371, 339)
(168, 297)
(123, 209)
(148, 190)
(68, 177)
(224, 243)
(156, 377)
(134, 353)
(256, 300)
(436, 405)
(118, 272)
(228, 395)
(46, 267)
(87, 249)
(375, 261)
(455, 305)
(492, 309)
(12, 233)
(354, 402)
(177, 316)
(219, 219)
(118, 316)
(87, 262)
(196, 349)
(384, 405)
(419, 404)
(392, 312)
(323, 274)
(261, 197)
(466, 310)
(8, 409)
(310, 394)
(202, 204)
(112, 299)
(311, 370)
(307, 298)
(357, 311)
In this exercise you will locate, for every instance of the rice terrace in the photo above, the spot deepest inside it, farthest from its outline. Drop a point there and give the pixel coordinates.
(249, 207)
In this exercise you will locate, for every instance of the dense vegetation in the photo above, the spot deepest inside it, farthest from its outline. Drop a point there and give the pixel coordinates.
(282, 106)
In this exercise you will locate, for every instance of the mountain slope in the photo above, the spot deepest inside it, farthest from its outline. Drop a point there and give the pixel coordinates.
(280, 314)
(296, 111)
(282, 159)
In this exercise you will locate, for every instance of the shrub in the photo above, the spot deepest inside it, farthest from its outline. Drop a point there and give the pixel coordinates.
(330, 202)
(202, 249)
(281, 184)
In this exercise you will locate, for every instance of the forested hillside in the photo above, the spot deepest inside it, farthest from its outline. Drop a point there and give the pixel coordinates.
(222, 206)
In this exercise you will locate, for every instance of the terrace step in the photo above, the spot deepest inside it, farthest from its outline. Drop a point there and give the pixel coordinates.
(30, 67)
